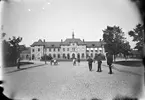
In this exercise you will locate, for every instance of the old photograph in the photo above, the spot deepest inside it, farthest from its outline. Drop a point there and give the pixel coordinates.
(71, 50)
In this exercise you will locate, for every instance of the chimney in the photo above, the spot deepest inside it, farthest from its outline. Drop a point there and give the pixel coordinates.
(44, 40)
(100, 40)
(83, 40)
(61, 40)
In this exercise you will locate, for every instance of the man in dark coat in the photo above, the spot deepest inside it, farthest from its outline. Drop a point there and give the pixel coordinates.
(90, 61)
(18, 63)
(99, 60)
(78, 61)
(109, 62)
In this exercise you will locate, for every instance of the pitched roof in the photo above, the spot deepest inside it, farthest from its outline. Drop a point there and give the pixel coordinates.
(72, 40)
(39, 43)
(27, 51)
(52, 44)
(68, 41)
(93, 43)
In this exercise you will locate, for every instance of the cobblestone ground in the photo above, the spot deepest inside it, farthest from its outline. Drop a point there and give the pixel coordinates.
(68, 82)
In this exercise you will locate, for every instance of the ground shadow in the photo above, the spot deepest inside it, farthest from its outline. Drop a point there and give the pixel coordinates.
(124, 71)
(24, 68)
(130, 63)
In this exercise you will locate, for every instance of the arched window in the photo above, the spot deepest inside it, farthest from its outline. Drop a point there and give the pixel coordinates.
(73, 55)
(54, 55)
(58, 55)
(63, 55)
(78, 55)
(83, 55)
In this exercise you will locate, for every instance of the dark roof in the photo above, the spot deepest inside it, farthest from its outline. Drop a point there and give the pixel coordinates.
(27, 51)
(72, 40)
(39, 43)
(93, 43)
(52, 44)
(67, 42)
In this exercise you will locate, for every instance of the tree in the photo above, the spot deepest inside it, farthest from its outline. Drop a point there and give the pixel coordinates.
(125, 49)
(138, 36)
(14, 43)
(114, 38)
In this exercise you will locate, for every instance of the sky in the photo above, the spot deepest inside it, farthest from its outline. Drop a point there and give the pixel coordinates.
(54, 20)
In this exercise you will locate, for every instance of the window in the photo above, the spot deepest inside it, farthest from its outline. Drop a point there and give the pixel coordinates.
(87, 55)
(95, 54)
(49, 49)
(63, 49)
(67, 49)
(91, 50)
(87, 50)
(58, 55)
(83, 55)
(91, 54)
(78, 55)
(33, 50)
(33, 57)
(58, 49)
(54, 49)
(63, 55)
(49, 55)
(100, 50)
(38, 49)
(54, 55)
(73, 49)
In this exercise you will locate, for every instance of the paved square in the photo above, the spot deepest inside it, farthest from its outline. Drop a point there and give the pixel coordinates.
(68, 82)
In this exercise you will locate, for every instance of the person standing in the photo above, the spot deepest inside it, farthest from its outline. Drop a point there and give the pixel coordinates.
(99, 60)
(74, 61)
(18, 63)
(78, 61)
(109, 62)
(90, 61)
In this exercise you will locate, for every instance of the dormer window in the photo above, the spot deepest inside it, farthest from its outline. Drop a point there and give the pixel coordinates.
(52, 45)
(38, 49)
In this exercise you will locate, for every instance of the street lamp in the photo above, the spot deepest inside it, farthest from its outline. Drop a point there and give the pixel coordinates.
(44, 51)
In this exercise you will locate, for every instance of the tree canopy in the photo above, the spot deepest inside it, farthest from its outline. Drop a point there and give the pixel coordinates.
(115, 40)
(11, 50)
(138, 36)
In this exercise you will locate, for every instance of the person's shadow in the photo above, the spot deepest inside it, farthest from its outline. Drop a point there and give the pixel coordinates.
(1, 93)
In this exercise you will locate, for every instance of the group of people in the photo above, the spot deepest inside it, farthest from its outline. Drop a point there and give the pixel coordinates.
(76, 60)
(53, 61)
(90, 61)
(99, 60)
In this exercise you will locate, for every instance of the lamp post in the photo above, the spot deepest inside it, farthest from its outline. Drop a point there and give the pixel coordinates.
(44, 51)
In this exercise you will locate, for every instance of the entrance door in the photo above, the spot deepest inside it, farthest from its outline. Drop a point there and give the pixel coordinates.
(68, 56)
(73, 55)
(78, 56)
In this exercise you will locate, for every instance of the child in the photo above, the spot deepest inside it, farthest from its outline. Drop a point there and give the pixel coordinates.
(74, 61)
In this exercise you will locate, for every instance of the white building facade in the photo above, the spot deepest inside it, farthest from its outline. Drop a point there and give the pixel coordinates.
(70, 48)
